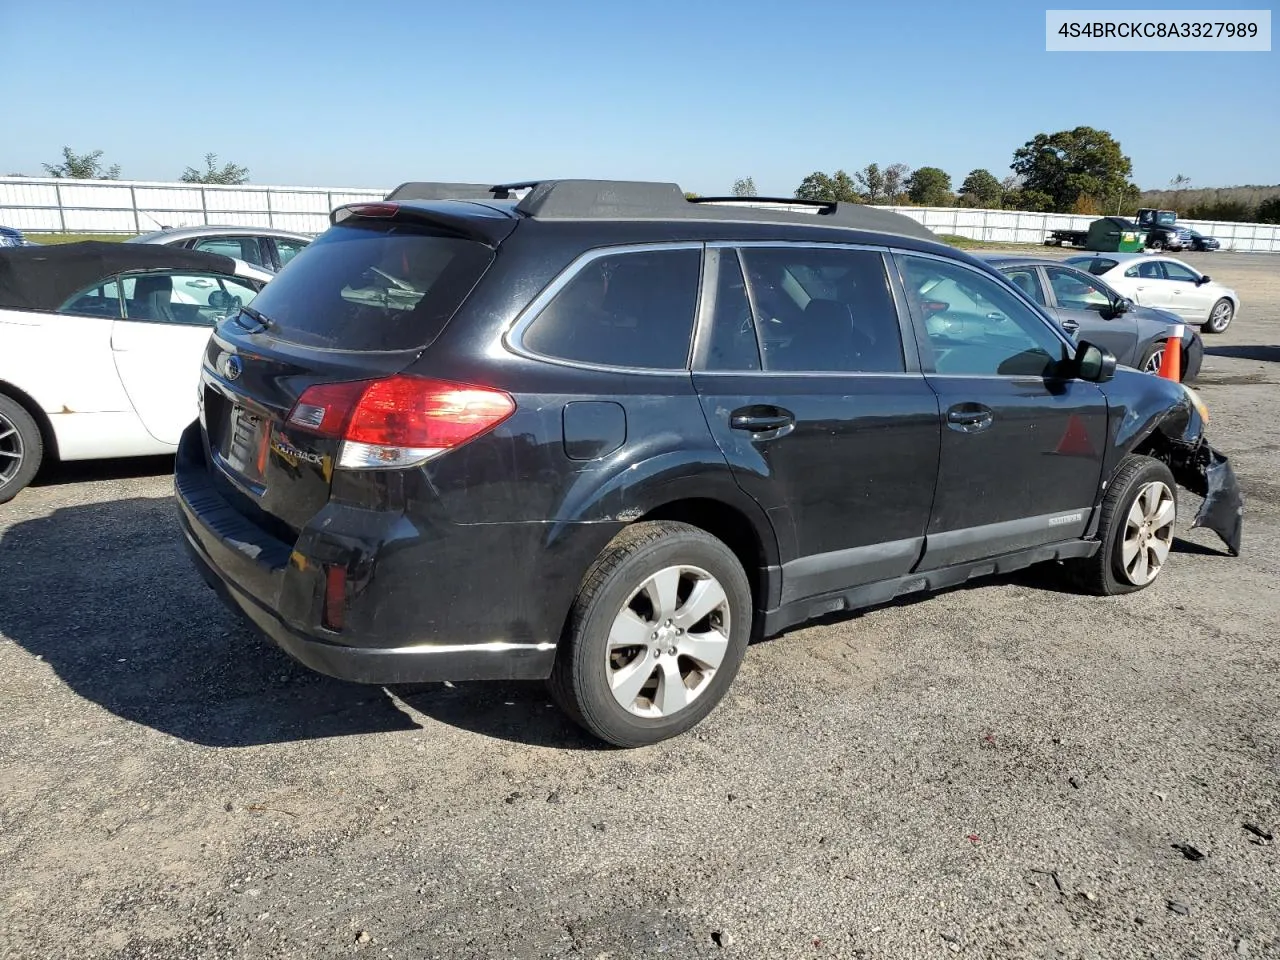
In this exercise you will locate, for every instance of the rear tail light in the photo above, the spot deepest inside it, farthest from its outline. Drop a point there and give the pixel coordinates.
(400, 421)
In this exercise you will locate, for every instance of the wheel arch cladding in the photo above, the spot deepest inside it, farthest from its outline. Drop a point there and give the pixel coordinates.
(28, 403)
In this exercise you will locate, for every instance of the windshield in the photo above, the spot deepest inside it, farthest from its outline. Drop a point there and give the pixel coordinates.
(372, 287)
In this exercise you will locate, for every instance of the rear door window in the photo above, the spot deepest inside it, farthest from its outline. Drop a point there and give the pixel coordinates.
(628, 309)
(373, 287)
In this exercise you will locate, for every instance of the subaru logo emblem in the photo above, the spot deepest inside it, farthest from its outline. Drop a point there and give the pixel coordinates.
(233, 367)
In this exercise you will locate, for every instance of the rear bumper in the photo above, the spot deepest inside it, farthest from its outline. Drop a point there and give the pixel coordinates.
(395, 638)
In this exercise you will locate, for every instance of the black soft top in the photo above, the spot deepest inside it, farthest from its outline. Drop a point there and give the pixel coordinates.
(44, 278)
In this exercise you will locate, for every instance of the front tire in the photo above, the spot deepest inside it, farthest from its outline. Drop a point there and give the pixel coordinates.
(21, 448)
(655, 636)
(1153, 357)
(1219, 317)
(1136, 530)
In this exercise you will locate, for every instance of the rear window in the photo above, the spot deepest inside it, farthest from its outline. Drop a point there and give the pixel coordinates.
(1095, 265)
(623, 310)
(372, 288)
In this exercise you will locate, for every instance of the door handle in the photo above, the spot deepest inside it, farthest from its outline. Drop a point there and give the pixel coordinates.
(761, 419)
(969, 417)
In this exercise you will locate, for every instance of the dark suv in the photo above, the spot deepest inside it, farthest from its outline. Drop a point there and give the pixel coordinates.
(604, 434)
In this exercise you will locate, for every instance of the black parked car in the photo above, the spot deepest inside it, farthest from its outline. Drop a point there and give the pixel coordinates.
(1090, 310)
(604, 435)
(1200, 242)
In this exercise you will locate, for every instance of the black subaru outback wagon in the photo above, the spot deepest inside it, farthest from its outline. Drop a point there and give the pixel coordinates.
(596, 432)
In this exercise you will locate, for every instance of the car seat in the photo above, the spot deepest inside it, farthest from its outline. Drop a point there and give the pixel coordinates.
(152, 299)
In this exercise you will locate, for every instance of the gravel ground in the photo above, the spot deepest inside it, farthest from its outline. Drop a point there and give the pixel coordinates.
(1005, 770)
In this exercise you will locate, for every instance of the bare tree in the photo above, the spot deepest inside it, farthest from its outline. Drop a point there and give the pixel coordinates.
(895, 182)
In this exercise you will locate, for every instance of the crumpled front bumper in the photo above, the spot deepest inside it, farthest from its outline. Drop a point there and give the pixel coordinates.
(1207, 473)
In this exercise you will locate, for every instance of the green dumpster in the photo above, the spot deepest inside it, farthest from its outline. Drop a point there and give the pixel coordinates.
(1116, 235)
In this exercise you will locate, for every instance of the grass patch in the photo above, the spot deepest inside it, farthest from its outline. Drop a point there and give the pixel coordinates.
(76, 237)
(968, 243)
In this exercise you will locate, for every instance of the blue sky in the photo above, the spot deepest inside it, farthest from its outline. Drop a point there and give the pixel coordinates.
(374, 92)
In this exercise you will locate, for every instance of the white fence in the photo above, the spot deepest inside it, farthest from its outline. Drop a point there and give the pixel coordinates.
(46, 205)
(1012, 226)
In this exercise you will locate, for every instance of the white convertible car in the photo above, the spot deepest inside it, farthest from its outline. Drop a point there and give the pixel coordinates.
(100, 348)
(1166, 284)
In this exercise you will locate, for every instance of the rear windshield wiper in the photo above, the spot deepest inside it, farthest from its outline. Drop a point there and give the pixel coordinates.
(264, 323)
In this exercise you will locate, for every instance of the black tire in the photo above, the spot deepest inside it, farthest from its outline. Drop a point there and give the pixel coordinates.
(579, 681)
(1103, 573)
(24, 444)
(1220, 324)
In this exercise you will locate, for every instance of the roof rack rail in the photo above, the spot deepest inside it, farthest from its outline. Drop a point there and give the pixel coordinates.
(424, 190)
(642, 200)
(645, 200)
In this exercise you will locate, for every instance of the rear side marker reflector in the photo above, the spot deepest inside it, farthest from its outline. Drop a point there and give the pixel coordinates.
(335, 597)
(400, 421)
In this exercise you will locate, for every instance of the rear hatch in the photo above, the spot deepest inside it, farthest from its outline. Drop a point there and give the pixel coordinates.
(280, 381)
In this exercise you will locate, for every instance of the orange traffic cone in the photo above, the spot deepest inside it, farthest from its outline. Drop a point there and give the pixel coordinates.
(1171, 362)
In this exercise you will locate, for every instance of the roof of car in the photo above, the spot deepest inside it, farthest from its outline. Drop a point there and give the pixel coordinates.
(634, 200)
(44, 278)
(1112, 256)
(1005, 258)
(214, 230)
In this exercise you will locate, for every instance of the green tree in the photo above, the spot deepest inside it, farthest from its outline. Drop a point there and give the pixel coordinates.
(1034, 201)
(930, 187)
(1269, 211)
(982, 189)
(1236, 211)
(745, 187)
(82, 166)
(871, 181)
(828, 187)
(228, 174)
(1071, 164)
(895, 179)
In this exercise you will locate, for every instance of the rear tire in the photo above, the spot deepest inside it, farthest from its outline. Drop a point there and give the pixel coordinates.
(1220, 317)
(633, 667)
(1136, 536)
(21, 448)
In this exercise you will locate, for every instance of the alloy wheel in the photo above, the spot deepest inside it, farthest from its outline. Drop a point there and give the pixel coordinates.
(1148, 534)
(11, 450)
(667, 642)
(1154, 361)
(1221, 316)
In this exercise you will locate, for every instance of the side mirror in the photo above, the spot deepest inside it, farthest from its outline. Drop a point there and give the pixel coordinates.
(1123, 305)
(1093, 363)
(1203, 279)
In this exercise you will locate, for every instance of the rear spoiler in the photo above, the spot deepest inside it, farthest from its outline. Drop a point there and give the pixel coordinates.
(469, 221)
